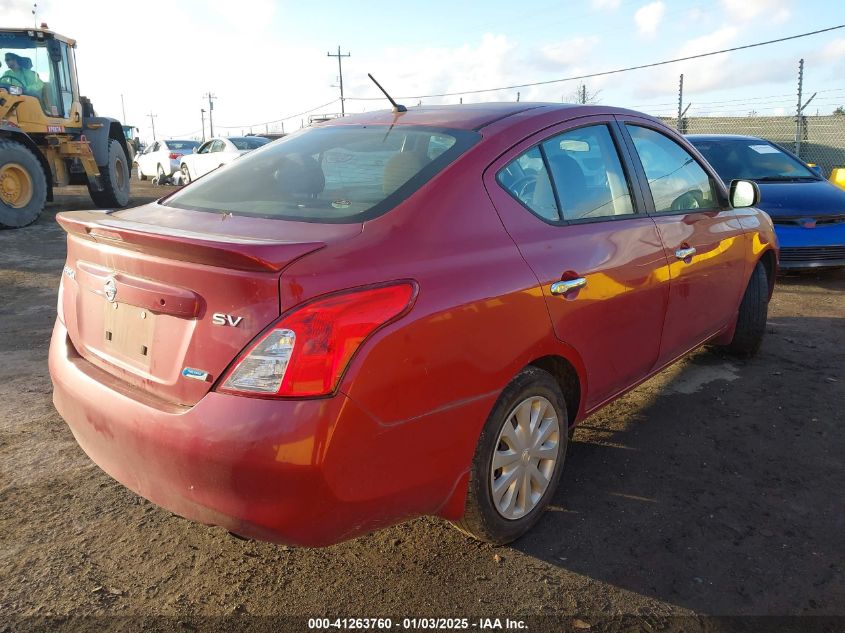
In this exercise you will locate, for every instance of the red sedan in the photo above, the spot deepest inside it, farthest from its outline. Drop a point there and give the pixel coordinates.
(398, 314)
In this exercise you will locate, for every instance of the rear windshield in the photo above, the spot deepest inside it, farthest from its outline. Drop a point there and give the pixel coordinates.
(254, 142)
(328, 174)
(182, 144)
(752, 159)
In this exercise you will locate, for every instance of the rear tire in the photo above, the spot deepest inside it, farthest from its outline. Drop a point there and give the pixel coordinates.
(23, 186)
(115, 179)
(187, 175)
(503, 517)
(753, 312)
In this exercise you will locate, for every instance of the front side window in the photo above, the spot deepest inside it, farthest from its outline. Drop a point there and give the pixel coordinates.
(29, 70)
(676, 180)
(326, 174)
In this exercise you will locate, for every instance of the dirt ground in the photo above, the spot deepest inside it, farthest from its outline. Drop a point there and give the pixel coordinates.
(717, 487)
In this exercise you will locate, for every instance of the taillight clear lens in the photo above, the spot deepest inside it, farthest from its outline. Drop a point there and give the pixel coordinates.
(309, 349)
(263, 369)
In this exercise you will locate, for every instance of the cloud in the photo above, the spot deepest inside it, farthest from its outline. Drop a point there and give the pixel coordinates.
(552, 57)
(17, 13)
(776, 10)
(648, 18)
(606, 4)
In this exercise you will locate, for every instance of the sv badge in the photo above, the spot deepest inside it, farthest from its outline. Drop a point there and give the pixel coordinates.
(218, 318)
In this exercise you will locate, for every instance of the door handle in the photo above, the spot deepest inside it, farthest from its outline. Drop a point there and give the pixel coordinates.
(564, 287)
(684, 253)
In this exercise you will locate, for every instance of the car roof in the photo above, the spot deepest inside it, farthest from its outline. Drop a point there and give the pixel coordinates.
(470, 116)
(724, 137)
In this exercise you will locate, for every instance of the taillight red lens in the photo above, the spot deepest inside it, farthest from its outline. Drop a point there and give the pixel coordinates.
(308, 350)
(174, 155)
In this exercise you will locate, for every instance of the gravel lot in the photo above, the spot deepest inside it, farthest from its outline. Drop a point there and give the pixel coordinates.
(714, 488)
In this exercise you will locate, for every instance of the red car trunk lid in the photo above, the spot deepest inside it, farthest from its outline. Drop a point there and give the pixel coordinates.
(165, 307)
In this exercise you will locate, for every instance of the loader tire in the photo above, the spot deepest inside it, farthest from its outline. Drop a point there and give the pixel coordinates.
(23, 186)
(115, 179)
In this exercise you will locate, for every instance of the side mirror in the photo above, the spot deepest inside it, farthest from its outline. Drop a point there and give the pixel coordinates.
(194, 150)
(744, 193)
(815, 169)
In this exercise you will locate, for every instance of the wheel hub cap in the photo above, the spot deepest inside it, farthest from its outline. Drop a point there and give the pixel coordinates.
(15, 185)
(525, 457)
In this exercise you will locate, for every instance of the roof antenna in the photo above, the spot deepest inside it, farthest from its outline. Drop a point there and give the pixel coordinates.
(397, 107)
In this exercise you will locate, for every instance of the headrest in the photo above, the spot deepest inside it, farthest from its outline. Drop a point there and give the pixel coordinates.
(300, 174)
(399, 170)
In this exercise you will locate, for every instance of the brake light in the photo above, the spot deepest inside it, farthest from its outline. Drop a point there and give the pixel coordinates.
(307, 351)
(174, 156)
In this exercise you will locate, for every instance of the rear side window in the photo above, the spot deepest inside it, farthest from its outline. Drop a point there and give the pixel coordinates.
(676, 180)
(587, 179)
(328, 174)
(527, 180)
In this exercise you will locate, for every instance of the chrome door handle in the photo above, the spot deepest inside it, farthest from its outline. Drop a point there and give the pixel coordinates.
(684, 253)
(564, 287)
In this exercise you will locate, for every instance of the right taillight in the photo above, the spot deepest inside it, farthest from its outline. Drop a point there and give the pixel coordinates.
(307, 351)
(174, 156)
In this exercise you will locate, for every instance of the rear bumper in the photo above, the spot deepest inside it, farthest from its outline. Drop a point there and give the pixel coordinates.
(819, 247)
(301, 472)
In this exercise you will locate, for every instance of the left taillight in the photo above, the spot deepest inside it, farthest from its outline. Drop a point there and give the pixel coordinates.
(307, 351)
(174, 155)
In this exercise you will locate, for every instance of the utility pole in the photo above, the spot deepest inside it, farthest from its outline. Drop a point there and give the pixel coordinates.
(152, 123)
(211, 97)
(202, 118)
(123, 107)
(583, 94)
(35, 16)
(340, 76)
(517, 97)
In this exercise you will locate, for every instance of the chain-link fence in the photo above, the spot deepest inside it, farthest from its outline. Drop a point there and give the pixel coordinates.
(819, 140)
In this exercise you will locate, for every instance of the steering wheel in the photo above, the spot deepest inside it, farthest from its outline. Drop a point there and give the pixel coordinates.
(524, 187)
(8, 79)
(688, 200)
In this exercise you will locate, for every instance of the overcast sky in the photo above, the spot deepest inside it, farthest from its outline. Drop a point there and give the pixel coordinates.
(266, 59)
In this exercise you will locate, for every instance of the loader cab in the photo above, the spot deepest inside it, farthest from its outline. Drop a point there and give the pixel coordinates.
(39, 66)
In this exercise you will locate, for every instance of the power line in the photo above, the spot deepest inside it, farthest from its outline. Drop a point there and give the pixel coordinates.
(231, 127)
(608, 72)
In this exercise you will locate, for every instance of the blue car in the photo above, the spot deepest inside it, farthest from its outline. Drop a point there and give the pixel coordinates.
(808, 212)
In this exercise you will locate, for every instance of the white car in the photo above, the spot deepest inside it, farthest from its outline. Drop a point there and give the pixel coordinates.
(217, 152)
(161, 158)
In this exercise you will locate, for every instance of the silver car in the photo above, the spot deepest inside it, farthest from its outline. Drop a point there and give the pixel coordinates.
(162, 158)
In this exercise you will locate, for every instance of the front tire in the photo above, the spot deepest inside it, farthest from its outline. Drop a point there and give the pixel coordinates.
(139, 172)
(753, 312)
(114, 177)
(23, 186)
(187, 175)
(518, 460)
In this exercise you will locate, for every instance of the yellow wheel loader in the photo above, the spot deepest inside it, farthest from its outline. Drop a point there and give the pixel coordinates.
(49, 135)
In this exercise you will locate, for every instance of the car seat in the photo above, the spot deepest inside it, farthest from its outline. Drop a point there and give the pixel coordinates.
(399, 169)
